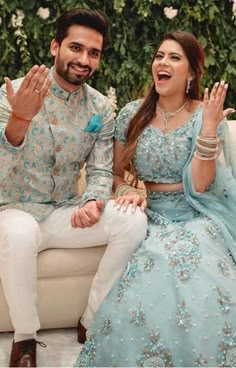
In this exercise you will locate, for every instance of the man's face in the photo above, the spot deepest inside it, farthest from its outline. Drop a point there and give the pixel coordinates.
(78, 56)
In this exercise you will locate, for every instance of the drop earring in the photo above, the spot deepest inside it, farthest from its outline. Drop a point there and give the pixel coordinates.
(188, 86)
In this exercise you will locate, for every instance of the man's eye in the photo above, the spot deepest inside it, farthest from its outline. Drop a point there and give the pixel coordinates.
(75, 48)
(94, 54)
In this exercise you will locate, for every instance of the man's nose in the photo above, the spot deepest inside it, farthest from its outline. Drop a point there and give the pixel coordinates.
(84, 58)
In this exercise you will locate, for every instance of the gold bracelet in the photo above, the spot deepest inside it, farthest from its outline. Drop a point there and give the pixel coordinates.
(208, 139)
(200, 156)
(203, 148)
(211, 136)
(123, 188)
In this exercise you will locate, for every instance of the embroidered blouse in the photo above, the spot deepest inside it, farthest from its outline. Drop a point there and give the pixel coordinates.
(159, 157)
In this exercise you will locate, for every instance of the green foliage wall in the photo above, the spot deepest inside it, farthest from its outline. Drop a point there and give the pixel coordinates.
(137, 26)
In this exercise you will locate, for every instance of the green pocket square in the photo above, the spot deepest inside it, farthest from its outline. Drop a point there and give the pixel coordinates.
(94, 124)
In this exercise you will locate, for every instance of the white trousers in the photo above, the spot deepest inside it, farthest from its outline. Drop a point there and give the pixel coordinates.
(22, 238)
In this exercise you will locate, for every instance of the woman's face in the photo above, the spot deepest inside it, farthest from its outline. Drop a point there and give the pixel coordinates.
(170, 69)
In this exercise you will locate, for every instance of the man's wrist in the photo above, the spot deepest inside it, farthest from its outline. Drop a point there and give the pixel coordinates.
(17, 117)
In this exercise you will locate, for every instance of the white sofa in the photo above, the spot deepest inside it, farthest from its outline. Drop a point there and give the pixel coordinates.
(64, 279)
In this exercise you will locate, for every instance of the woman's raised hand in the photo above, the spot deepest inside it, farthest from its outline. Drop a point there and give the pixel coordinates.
(213, 106)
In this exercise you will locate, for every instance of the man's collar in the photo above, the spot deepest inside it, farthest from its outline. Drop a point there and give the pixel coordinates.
(59, 91)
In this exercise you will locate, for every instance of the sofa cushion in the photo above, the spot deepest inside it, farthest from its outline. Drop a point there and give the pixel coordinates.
(76, 262)
(232, 146)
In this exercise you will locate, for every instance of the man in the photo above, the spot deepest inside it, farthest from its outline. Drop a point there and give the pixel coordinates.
(51, 122)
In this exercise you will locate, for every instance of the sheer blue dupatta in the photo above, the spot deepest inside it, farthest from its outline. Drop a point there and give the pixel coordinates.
(219, 202)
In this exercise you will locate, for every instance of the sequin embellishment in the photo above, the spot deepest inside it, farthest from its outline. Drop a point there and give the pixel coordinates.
(149, 264)
(88, 353)
(138, 316)
(155, 351)
(154, 362)
(223, 267)
(106, 328)
(227, 347)
(127, 277)
(201, 361)
(183, 316)
(225, 301)
(183, 253)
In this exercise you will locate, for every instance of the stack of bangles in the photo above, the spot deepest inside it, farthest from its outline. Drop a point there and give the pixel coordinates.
(123, 189)
(207, 147)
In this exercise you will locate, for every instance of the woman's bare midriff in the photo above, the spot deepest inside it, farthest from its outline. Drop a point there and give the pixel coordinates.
(163, 187)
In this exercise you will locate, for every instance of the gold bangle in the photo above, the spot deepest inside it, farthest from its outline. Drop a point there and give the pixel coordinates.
(208, 139)
(208, 136)
(203, 148)
(123, 188)
(205, 157)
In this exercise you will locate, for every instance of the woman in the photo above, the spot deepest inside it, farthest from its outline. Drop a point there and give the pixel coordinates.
(175, 304)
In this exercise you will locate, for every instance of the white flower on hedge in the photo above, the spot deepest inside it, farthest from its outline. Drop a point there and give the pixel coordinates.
(234, 8)
(111, 94)
(170, 12)
(17, 19)
(43, 13)
(18, 32)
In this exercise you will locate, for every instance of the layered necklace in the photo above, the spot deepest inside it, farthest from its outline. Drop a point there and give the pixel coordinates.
(167, 115)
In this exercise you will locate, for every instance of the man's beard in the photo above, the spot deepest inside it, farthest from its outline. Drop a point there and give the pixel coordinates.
(74, 78)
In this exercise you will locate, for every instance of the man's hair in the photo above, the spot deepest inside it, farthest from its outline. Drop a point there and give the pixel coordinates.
(95, 19)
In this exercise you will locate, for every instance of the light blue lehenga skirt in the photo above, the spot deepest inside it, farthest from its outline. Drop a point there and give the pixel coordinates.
(175, 303)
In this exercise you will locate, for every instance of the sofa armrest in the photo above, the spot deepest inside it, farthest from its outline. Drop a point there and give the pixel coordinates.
(232, 144)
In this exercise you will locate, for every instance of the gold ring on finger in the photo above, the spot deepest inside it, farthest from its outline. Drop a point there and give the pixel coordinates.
(212, 98)
(36, 90)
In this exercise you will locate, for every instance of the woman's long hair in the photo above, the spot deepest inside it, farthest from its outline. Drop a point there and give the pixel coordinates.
(195, 55)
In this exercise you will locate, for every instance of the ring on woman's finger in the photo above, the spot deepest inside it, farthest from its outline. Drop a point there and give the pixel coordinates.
(212, 98)
(36, 90)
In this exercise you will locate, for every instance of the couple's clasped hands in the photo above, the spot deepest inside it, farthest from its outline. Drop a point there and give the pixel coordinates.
(88, 215)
